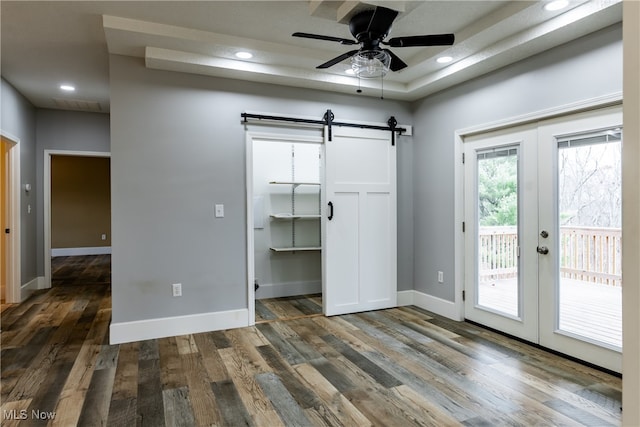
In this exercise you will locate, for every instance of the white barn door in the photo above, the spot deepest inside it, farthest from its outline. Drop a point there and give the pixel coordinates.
(359, 227)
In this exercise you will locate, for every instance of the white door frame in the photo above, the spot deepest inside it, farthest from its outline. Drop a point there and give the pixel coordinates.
(13, 288)
(47, 201)
(250, 138)
(458, 203)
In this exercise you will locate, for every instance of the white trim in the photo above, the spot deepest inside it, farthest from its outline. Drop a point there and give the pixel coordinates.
(29, 288)
(46, 189)
(96, 250)
(458, 183)
(14, 262)
(458, 218)
(631, 215)
(430, 303)
(277, 290)
(549, 113)
(251, 268)
(140, 330)
(437, 305)
(405, 298)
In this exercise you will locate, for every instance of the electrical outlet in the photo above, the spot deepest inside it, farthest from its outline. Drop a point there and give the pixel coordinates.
(440, 277)
(177, 289)
(103, 237)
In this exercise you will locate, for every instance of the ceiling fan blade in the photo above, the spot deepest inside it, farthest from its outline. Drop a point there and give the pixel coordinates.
(338, 59)
(381, 20)
(430, 40)
(397, 64)
(327, 38)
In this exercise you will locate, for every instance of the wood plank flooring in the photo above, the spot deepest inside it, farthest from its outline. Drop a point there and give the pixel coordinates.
(288, 308)
(395, 367)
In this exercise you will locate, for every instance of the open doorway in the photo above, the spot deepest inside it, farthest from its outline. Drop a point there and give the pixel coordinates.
(286, 231)
(77, 212)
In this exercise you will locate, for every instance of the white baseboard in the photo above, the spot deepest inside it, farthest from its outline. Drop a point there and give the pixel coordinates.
(405, 298)
(277, 290)
(141, 330)
(433, 304)
(30, 287)
(97, 250)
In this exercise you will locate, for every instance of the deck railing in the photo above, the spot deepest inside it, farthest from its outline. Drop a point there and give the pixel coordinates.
(589, 254)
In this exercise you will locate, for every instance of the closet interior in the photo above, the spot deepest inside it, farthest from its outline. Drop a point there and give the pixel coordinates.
(287, 194)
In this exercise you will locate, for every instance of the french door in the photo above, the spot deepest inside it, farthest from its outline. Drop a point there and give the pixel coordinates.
(543, 237)
(359, 226)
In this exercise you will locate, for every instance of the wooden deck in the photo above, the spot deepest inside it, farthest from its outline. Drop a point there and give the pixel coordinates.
(587, 309)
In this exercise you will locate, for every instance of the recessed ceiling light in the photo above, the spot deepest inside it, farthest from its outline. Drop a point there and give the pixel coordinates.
(556, 5)
(67, 88)
(244, 55)
(444, 59)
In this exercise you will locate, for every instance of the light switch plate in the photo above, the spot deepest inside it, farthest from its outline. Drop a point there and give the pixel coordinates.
(219, 211)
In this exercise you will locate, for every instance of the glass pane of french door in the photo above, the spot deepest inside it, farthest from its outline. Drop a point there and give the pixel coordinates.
(589, 248)
(497, 202)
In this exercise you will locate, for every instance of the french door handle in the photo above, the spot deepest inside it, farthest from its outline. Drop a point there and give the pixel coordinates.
(543, 250)
(330, 217)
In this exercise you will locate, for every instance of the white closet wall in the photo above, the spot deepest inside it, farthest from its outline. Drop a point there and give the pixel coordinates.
(282, 272)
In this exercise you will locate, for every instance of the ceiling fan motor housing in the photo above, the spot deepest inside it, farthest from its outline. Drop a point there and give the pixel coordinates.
(365, 30)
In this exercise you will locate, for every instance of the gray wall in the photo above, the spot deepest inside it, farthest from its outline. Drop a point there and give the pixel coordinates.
(178, 148)
(70, 131)
(584, 69)
(19, 120)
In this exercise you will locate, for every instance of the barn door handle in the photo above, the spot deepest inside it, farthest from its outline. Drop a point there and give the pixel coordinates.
(330, 217)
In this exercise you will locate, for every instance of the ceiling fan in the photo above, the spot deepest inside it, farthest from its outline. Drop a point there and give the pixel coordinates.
(370, 27)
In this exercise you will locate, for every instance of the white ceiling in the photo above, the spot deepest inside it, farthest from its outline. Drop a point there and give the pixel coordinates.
(48, 43)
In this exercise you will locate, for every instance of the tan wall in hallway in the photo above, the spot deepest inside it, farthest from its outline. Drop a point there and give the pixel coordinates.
(80, 201)
(4, 205)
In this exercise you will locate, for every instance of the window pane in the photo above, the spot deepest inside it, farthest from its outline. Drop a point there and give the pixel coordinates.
(497, 281)
(589, 208)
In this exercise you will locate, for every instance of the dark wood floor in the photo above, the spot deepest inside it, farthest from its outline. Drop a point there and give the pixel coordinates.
(81, 270)
(288, 308)
(395, 367)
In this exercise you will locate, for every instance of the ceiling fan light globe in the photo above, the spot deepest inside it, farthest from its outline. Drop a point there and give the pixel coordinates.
(370, 64)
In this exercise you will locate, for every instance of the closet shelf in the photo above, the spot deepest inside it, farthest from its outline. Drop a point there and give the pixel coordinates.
(294, 183)
(297, 249)
(293, 216)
